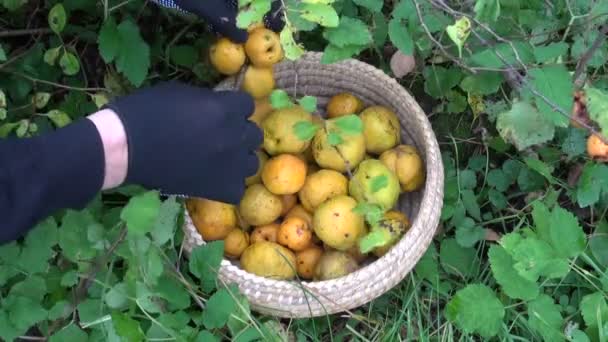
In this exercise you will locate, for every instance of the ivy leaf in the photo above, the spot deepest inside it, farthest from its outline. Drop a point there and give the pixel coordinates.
(141, 212)
(378, 183)
(57, 18)
(550, 52)
(372, 5)
(597, 105)
(524, 126)
(545, 318)
(487, 10)
(555, 83)
(292, 49)
(400, 37)
(252, 13)
(127, 327)
(305, 130)
(218, 310)
(322, 14)
(205, 261)
(279, 99)
(349, 124)
(483, 83)
(69, 64)
(476, 309)
(334, 139)
(333, 53)
(351, 31)
(512, 283)
(593, 181)
(309, 103)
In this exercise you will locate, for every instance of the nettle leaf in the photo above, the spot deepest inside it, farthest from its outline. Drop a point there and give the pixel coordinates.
(550, 52)
(555, 83)
(349, 124)
(141, 212)
(400, 36)
(597, 105)
(544, 316)
(252, 12)
(351, 31)
(322, 14)
(333, 53)
(476, 309)
(524, 126)
(279, 99)
(305, 130)
(483, 83)
(593, 181)
(512, 283)
(205, 261)
(69, 63)
(372, 5)
(218, 310)
(57, 18)
(291, 48)
(487, 10)
(309, 103)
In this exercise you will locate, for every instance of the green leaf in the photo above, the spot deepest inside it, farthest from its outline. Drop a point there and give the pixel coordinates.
(59, 118)
(567, 236)
(239, 320)
(483, 83)
(487, 10)
(498, 180)
(69, 64)
(524, 126)
(280, 99)
(498, 200)
(597, 105)
(476, 309)
(512, 283)
(70, 333)
(333, 53)
(2, 54)
(459, 32)
(309, 103)
(117, 297)
(3, 114)
(457, 103)
(127, 327)
(550, 52)
(438, 80)
(428, 266)
(349, 124)
(351, 31)
(541, 167)
(379, 30)
(73, 236)
(575, 143)
(555, 83)
(205, 261)
(154, 266)
(166, 221)
(24, 312)
(535, 258)
(378, 183)
(456, 259)
(41, 99)
(469, 235)
(252, 13)
(400, 37)
(60, 309)
(488, 57)
(218, 310)
(109, 40)
(598, 243)
(69, 278)
(470, 203)
(467, 179)
(373, 213)
(141, 212)
(583, 42)
(594, 309)
(51, 55)
(322, 14)
(291, 48)
(334, 139)
(184, 55)
(7, 330)
(305, 130)
(545, 318)
(206, 336)
(375, 238)
(372, 5)
(57, 18)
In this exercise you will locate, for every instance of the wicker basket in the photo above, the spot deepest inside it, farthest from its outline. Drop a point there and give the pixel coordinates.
(308, 76)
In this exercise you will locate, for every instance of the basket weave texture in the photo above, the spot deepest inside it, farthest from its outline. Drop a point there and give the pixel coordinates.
(296, 299)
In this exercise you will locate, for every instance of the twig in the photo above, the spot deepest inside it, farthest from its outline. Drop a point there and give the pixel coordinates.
(25, 32)
(58, 85)
(582, 63)
(438, 44)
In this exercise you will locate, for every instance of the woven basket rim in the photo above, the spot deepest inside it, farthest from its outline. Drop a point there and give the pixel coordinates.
(432, 193)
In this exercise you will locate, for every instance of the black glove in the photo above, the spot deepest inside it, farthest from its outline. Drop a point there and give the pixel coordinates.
(190, 141)
(221, 15)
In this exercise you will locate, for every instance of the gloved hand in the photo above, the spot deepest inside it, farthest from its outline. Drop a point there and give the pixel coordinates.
(190, 141)
(221, 14)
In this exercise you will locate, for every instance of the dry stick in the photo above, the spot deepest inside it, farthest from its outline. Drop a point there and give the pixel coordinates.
(512, 74)
(25, 32)
(438, 44)
(582, 63)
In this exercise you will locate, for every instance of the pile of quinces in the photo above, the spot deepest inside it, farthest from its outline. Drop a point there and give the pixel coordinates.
(304, 212)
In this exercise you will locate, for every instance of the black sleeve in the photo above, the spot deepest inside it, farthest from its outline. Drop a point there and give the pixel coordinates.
(63, 169)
